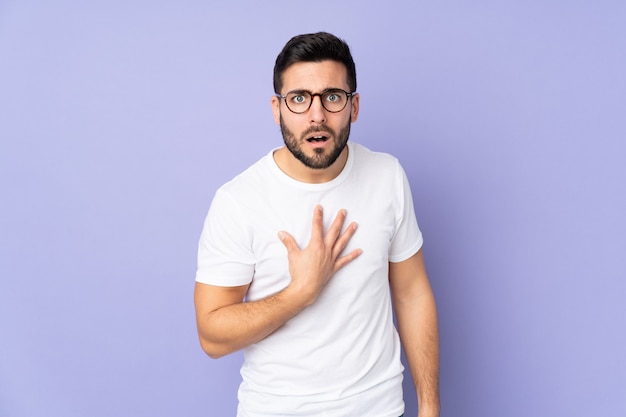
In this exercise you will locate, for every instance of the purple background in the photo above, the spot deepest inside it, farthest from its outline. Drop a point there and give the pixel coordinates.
(118, 121)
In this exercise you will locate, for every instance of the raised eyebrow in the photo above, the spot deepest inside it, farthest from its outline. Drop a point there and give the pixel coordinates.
(333, 90)
(326, 91)
(299, 92)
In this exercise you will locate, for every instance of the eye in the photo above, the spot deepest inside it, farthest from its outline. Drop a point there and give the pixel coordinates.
(298, 98)
(334, 96)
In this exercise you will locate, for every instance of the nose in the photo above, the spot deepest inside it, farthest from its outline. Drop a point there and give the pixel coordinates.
(317, 112)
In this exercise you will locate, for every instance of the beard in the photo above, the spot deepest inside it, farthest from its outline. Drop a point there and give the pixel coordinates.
(320, 159)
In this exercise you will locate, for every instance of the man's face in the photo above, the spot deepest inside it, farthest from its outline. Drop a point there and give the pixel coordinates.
(316, 137)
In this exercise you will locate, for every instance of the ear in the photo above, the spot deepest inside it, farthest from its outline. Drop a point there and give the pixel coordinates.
(276, 109)
(354, 111)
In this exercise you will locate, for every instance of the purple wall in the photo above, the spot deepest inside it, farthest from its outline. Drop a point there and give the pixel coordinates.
(119, 120)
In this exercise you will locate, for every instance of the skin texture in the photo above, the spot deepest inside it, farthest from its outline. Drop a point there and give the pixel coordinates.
(226, 323)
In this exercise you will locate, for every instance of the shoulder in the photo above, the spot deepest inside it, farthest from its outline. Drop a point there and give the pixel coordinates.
(250, 180)
(362, 154)
(379, 164)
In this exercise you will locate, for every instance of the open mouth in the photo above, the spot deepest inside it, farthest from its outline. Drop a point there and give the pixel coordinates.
(318, 138)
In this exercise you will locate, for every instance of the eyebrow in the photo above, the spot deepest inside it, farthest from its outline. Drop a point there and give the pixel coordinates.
(327, 90)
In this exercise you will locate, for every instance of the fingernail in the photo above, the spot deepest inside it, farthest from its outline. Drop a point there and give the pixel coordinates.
(281, 235)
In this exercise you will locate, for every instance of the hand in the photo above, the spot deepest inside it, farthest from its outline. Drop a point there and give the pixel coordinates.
(312, 267)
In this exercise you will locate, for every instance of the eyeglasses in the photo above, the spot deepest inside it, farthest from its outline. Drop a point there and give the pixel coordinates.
(333, 100)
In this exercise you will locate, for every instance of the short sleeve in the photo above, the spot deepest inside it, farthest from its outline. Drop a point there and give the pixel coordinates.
(225, 256)
(407, 239)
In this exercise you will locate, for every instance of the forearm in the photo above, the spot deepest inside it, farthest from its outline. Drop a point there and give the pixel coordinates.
(417, 325)
(235, 326)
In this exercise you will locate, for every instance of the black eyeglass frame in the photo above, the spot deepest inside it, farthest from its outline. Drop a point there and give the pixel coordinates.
(313, 95)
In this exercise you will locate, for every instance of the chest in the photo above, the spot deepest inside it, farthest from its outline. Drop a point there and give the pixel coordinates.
(293, 212)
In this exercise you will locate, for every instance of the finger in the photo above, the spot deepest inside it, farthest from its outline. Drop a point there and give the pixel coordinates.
(288, 241)
(346, 259)
(317, 230)
(341, 242)
(335, 228)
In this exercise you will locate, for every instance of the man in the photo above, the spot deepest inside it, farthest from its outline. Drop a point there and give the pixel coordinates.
(284, 274)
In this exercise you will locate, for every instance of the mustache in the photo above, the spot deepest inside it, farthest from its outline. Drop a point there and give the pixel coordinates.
(318, 129)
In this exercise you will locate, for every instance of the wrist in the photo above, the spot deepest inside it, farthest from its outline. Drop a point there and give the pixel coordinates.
(301, 296)
(296, 298)
(428, 410)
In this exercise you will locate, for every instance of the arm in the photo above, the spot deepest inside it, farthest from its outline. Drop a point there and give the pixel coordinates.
(416, 313)
(226, 323)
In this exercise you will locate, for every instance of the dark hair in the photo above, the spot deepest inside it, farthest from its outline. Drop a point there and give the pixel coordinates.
(314, 47)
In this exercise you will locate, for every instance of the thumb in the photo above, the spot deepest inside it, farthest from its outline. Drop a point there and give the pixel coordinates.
(288, 241)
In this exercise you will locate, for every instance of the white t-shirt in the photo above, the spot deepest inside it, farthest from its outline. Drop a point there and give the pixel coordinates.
(341, 355)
